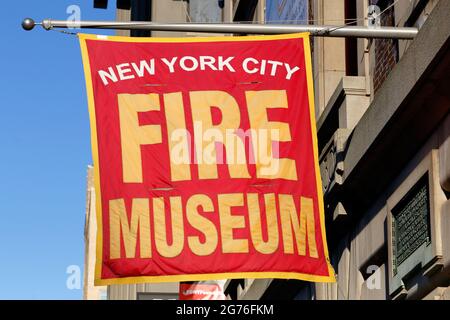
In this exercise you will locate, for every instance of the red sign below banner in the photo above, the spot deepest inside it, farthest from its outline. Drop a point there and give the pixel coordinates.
(202, 290)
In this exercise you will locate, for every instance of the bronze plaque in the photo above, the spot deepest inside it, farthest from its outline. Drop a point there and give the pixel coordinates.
(411, 222)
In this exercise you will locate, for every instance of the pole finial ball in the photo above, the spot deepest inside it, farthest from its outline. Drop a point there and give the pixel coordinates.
(28, 24)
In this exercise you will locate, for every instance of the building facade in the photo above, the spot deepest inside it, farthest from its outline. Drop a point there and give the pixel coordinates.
(91, 292)
(384, 143)
(383, 121)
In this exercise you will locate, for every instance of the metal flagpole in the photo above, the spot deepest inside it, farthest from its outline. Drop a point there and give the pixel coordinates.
(247, 28)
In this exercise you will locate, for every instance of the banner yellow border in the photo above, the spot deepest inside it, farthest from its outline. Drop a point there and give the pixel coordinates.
(98, 281)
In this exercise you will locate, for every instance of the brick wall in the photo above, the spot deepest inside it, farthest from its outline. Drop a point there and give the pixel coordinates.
(386, 50)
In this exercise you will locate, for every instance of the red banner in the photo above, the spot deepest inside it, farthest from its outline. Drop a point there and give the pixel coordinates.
(205, 158)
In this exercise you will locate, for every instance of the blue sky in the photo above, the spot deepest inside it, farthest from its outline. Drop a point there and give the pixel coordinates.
(45, 150)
